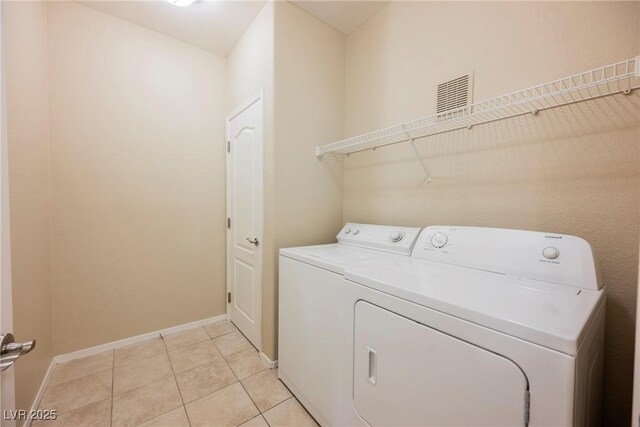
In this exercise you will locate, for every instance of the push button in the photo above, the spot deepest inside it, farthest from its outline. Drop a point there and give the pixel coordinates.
(550, 253)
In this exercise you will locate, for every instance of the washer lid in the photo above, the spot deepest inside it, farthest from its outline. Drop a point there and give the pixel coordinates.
(550, 315)
(334, 257)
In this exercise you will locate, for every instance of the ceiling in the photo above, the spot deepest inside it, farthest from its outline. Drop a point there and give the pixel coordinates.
(212, 25)
(217, 25)
(344, 16)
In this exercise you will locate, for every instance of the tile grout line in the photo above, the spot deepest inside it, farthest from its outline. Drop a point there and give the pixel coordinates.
(140, 386)
(104, 370)
(156, 355)
(77, 409)
(273, 406)
(79, 378)
(76, 379)
(270, 407)
(293, 396)
(140, 359)
(161, 378)
(239, 380)
(175, 378)
(256, 373)
(261, 413)
(210, 393)
(226, 333)
(57, 365)
(301, 405)
(192, 367)
(153, 382)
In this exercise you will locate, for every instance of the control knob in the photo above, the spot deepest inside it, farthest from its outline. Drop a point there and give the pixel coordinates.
(438, 240)
(396, 236)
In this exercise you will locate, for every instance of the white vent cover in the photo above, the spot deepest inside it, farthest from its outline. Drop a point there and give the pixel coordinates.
(454, 94)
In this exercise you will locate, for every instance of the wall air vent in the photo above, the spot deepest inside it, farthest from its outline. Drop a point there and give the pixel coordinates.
(453, 96)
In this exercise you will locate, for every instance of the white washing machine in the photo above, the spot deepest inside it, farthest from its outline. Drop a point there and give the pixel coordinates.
(310, 325)
(479, 327)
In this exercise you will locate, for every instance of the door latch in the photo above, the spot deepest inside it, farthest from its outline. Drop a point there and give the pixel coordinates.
(253, 241)
(10, 350)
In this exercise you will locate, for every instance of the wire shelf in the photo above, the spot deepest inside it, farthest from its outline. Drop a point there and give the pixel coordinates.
(621, 77)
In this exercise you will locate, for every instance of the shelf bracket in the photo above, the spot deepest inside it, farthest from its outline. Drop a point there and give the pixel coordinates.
(419, 158)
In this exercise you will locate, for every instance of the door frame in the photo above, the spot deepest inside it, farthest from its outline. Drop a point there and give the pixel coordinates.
(260, 203)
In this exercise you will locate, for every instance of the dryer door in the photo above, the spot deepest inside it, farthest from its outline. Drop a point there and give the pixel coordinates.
(407, 374)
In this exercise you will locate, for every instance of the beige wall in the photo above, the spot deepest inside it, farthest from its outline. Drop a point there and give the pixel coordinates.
(137, 178)
(250, 63)
(573, 170)
(28, 142)
(309, 110)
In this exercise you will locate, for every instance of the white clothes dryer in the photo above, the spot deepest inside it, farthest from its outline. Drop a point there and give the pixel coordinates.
(479, 327)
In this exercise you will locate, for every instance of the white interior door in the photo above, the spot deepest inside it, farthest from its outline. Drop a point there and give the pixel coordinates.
(407, 374)
(245, 140)
(7, 386)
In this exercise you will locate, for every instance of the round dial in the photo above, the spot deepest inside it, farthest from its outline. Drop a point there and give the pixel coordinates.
(347, 231)
(356, 232)
(438, 240)
(396, 236)
(550, 253)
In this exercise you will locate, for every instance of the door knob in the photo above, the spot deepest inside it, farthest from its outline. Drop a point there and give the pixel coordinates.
(253, 241)
(10, 350)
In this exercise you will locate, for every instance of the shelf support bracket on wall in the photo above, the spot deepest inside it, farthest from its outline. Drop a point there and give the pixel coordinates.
(419, 158)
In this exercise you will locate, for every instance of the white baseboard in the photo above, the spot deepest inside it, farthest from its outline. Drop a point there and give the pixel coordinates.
(132, 340)
(270, 363)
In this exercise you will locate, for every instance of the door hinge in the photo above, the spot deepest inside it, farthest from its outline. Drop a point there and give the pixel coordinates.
(228, 222)
(229, 297)
(228, 146)
(527, 406)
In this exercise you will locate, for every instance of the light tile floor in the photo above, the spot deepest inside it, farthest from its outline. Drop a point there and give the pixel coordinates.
(210, 376)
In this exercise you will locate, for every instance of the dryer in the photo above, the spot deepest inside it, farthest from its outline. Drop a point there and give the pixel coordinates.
(482, 327)
(310, 324)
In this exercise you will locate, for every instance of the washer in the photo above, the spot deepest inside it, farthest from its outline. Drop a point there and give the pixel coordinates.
(480, 326)
(310, 325)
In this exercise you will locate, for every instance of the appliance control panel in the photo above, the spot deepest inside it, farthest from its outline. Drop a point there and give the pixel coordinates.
(381, 237)
(549, 257)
